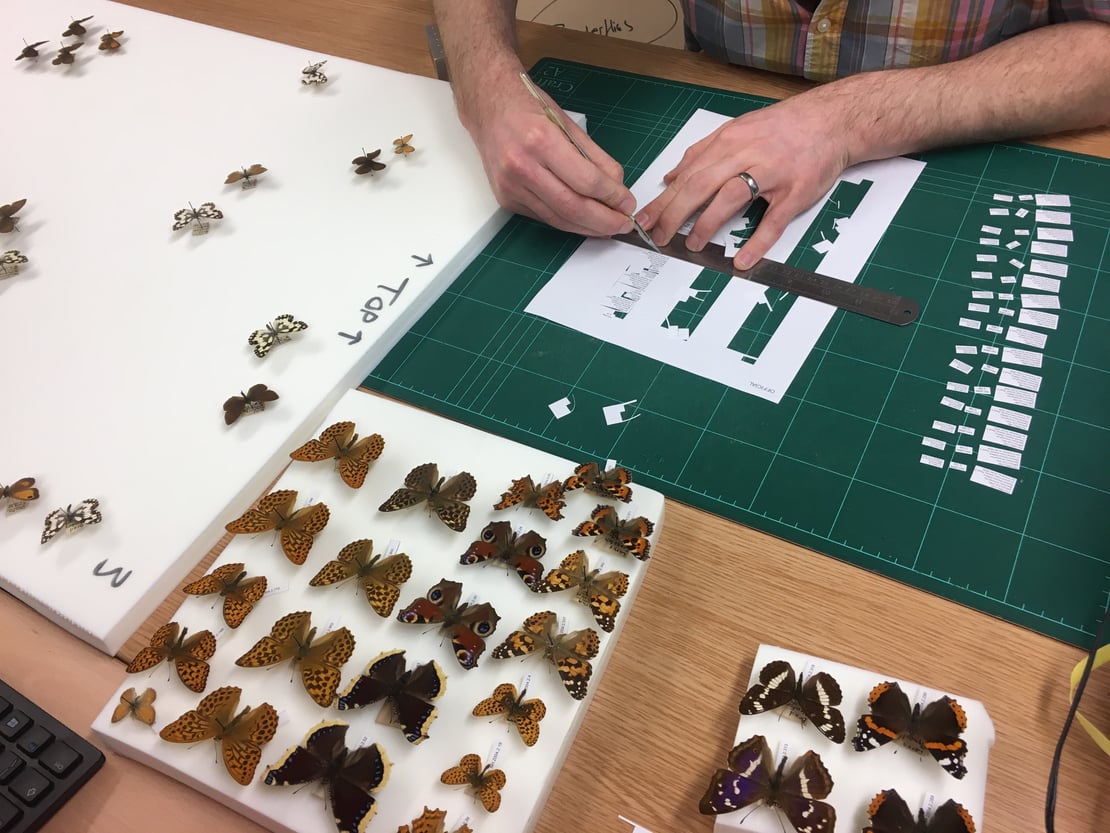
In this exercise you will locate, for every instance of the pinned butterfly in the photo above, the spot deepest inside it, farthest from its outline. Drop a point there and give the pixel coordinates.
(484, 782)
(623, 536)
(446, 497)
(30, 51)
(403, 146)
(297, 527)
(189, 656)
(889, 813)
(600, 592)
(138, 706)
(7, 215)
(109, 41)
(65, 55)
(814, 697)
(468, 625)
(570, 653)
(251, 402)
(71, 519)
(524, 714)
(19, 493)
(77, 27)
(368, 163)
(196, 217)
(499, 544)
(380, 578)
(230, 581)
(278, 331)
(432, 821)
(407, 693)
(352, 456)
(611, 483)
(248, 177)
(313, 76)
(548, 498)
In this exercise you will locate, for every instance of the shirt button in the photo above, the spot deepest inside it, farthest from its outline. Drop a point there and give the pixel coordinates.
(823, 25)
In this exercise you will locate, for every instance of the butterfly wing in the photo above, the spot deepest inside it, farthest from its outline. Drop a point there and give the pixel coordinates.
(468, 635)
(412, 707)
(746, 781)
(309, 762)
(583, 475)
(354, 462)
(488, 790)
(818, 698)
(332, 439)
(24, 488)
(526, 716)
(603, 521)
(799, 795)
(256, 170)
(126, 706)
(345, 565)
(241, 599)
(191, 660)
(938, 729)
(631, 536)
(776, 687)
(890, 814)
(378, 681)
(951, 817)
(571, 572)
(207, 720)
(519, 492)
(261, 394)
(266, 515)
(381, 582)
(320, 668)
(890, 717)
(571, 653)
(532, 634)
(299, 530)
(468, 769)
(208, 211)
(418, 487)
(181, 219)
(215, 582)
(493, 543)
(55, 522)
(243, 741)
(363, 771)
(262, 341)
(449, 502)
(157, 650)
(524, 557)
(285, 638)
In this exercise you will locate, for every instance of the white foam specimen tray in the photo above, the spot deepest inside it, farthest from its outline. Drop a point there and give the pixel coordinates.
(412, 437)
(859, 776)
(131, 336)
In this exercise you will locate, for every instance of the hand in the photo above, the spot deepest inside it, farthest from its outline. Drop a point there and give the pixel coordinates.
(535, 170)
(794, 149)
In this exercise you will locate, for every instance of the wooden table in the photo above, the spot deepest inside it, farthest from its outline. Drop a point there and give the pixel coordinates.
(663, 718)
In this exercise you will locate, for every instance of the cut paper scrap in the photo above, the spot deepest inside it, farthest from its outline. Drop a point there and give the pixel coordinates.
(614, 414)
(561, 407)
(635, 827)
(1102, 657)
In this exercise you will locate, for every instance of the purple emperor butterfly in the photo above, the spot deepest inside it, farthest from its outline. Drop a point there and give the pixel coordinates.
(189, 656)
(600, 592)
(298, 528)
(609, 483)
(409, 693)
(498, 544)
(352, 456)
(524, 714)
(381, 578)
(485, 783)
(569, 652)
(239, 592)
(447, 498)
(548, 498)
(889, 813)
(466, 624)
(815, 696)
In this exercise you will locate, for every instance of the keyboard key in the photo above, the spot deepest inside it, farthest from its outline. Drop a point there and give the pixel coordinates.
(9, 814)
(14, 724)
(59, 758)
(10, 764)
(4, 706)
(30, 787)
(35, 739)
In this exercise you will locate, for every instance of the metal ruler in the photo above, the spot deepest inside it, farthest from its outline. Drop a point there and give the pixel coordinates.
(863, 300)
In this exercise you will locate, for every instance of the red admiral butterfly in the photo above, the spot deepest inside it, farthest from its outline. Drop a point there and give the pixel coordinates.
(409, 692)
(936, 727)
(817, 696)
(889, 814)
(751, 778)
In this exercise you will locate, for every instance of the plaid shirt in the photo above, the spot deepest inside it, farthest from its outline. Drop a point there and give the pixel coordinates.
(826, 39)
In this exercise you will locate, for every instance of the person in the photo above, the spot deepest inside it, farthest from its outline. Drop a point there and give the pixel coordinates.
(952, 74)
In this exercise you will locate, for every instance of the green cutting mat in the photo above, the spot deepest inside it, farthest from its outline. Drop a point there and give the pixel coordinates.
(835, 465)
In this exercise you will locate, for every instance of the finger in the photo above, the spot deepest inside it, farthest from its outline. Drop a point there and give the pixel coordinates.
(770, 229)
(730, 199)
(587, 179)
(609, 166)
(690, 158)
(538, 211)
(691, 192)
(551, 197)
(649, 215)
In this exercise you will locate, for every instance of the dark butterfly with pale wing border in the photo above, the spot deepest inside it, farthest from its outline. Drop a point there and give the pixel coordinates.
(468, 625)
(312, 74)
(569, 652)
(189, 655)
(609, 483)
(627, 536)
(65, 54)
(484, 782)
(241, 736)
(8, 212)
(186, 216)
(937, 726)
(30, 50)
(431, 821)
(278, 331)
(548, 498)
(240, 594)
(10, 261)
(524, 714)
(298, 528)
(408, 693)
(752, 778)
(76, 27)
(499, 544)
(402, 145)
(71, 519)
(600, 592)
(889, 813)
(19, 493)
(368, 163)
(109, 42)
(293, 638)
(246, 175)
(349, 776)
(352, 456)
(446, 497)
(381, 578)
(138, 706)
(251, 402)
(816, 696)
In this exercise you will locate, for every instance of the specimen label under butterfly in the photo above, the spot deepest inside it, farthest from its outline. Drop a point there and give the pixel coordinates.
(381, 578)
(889, 813)
(600, 592)
(609, 483)
(8, 212)
(196, 217)
(313, 75)
(241, 736)
(71, 518)
(627, 536)
(432, 821)
(248, 177)
(752, 778)
(138, 706)
(298, 527)
(251, 402)
(936, 727)
(500, 545)
(349, 776)
(524, 714)
(76, 27)
(408, 692)
(278, 331)
(467, 625)
(10, 261)
(548, 498)
(19, 492)
(484, 782)
(109, 41)
(569, 652)
(446, 497)
(352, 456)
(240, 594)
(31, 51)
(368, 163)
(189, 655)
(293, 638)
(815, 696)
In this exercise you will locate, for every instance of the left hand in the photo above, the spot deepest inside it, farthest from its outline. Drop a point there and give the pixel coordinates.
(794, 149)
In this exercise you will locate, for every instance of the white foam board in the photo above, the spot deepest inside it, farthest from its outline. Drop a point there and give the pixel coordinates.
(412, 437)
(131, 336)
(859, 776)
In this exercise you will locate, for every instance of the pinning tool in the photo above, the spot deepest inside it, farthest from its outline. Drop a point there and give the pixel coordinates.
(553, 117)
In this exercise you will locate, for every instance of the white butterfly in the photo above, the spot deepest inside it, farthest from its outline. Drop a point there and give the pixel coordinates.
(313, 75)
(277, 331)
(185, 216)
(11, 258)
(70, 519)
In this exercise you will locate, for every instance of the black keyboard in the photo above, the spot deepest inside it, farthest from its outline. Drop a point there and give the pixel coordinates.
(42, 763)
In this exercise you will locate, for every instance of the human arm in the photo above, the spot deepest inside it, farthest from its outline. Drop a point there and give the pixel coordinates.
(1043, 81)
(531, 166)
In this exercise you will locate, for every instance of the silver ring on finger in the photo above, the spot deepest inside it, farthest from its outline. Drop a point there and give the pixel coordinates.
(749, 180)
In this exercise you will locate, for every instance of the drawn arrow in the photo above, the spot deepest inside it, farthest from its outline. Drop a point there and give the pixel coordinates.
(422, 261)
(353, 339)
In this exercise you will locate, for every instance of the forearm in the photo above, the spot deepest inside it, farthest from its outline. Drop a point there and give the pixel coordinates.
(479, 37)
(1044, 81)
